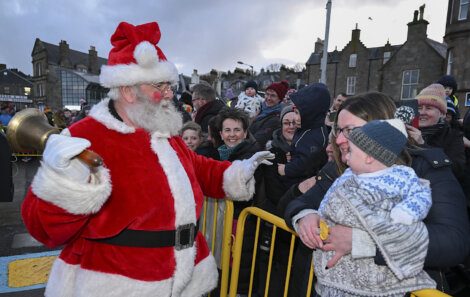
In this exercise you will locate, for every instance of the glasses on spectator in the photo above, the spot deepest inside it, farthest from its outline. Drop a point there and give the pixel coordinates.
(345, 130)
(289, 123)
(163, 87)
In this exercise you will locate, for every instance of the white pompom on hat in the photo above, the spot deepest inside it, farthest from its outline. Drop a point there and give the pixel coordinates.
(135, 57)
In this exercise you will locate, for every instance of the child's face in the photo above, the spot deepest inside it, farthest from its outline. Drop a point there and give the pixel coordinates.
(448, 91)
(251, 92)
(357, 159)
(191, 138)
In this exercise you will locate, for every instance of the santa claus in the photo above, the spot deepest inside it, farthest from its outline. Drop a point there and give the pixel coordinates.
(129, 227)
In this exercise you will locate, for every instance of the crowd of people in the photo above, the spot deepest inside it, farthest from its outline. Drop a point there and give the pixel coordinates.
(389, 188)
(313, 143)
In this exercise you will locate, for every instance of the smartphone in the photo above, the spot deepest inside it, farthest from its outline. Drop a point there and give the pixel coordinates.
(332, 116)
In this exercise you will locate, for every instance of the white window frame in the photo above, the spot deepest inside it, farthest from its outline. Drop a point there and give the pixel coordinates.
(386, 57)
(352, 61)
(350, 85)
(450, 61)
(463, 4)
(413, 85)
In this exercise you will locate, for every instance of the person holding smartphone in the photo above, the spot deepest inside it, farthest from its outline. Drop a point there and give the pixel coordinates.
(332, 112)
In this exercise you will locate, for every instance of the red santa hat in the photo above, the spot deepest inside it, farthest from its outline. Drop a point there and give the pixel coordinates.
(135, 57)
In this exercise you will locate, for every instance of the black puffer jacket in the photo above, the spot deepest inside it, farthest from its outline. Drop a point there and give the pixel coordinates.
(451, 141)
(310, 140)
(447, 221)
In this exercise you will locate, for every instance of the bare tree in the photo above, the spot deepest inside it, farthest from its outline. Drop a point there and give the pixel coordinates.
(275, 67)
(299, 67)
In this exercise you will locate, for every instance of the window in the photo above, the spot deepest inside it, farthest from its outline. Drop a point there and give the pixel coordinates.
(6, 90)
(352, 60)
(351, 85)
(410, 84)
(40, 90)
(463, 11)
(450, 61)
(386, 57)
(27, 91)
(38, 69)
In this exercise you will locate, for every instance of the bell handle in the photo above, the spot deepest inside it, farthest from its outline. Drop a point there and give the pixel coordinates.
(90, 158)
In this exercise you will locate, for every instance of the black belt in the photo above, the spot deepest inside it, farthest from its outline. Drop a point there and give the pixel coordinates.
(181, 238)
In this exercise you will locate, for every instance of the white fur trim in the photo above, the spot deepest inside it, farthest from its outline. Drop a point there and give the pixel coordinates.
(76, 198)
(68, 280)
(185, 208)
(134, 74)
(100, 112)
(204, 278)
(235, 186)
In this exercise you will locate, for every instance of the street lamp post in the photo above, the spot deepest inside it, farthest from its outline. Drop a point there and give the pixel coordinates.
(252, 72)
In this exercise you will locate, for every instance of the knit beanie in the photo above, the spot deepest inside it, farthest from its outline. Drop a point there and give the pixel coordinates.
(251, 84)
(382, 139)
(448, 81)
(285, 110)
(280, 88)
(433, 95)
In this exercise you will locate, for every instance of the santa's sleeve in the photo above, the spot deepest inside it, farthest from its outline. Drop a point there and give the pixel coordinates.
(56, 208)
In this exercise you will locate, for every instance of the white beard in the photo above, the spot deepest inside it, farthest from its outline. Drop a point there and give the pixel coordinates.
(155, 117)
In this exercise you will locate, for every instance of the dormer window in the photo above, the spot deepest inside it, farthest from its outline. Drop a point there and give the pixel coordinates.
(352, 60)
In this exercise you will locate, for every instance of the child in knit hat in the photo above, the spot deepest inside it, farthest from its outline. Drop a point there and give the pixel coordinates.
(385, 204)
(249, 100)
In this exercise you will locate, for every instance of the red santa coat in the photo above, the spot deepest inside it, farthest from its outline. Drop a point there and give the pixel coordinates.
(149, 182)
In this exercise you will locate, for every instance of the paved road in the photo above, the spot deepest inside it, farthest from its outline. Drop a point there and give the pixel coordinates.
(24, 262)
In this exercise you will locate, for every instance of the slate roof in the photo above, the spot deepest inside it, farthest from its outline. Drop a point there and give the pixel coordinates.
(14, 77)
(440, 48)
(76, 57)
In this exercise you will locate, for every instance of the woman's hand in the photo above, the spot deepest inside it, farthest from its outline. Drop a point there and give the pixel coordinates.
(415, 133)
(308, 231)
(281, 169)
(340, 241)
(307, 184)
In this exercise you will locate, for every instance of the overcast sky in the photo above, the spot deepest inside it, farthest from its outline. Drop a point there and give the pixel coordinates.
(211, 34)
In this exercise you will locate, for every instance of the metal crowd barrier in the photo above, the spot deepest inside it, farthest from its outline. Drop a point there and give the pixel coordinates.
(212, 209)
(278, 222)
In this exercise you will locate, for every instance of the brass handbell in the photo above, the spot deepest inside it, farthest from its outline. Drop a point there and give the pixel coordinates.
(29, 130)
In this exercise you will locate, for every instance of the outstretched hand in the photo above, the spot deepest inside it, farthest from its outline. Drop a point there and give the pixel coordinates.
(250, 165)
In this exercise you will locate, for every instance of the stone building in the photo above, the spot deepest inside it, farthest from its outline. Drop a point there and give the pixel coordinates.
(398, 70)
(62, 76)
(15, 88)
(457, 37)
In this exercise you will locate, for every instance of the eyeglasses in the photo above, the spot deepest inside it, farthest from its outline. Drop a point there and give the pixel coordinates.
(162, 87)
(196, 99)
(289, 123)
(345, 130)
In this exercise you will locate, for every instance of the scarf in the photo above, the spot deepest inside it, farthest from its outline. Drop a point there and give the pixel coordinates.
(266, 110)
(225, 151)
(429, 132)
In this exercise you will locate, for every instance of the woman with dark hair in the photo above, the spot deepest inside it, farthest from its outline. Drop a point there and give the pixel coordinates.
(447, 221)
